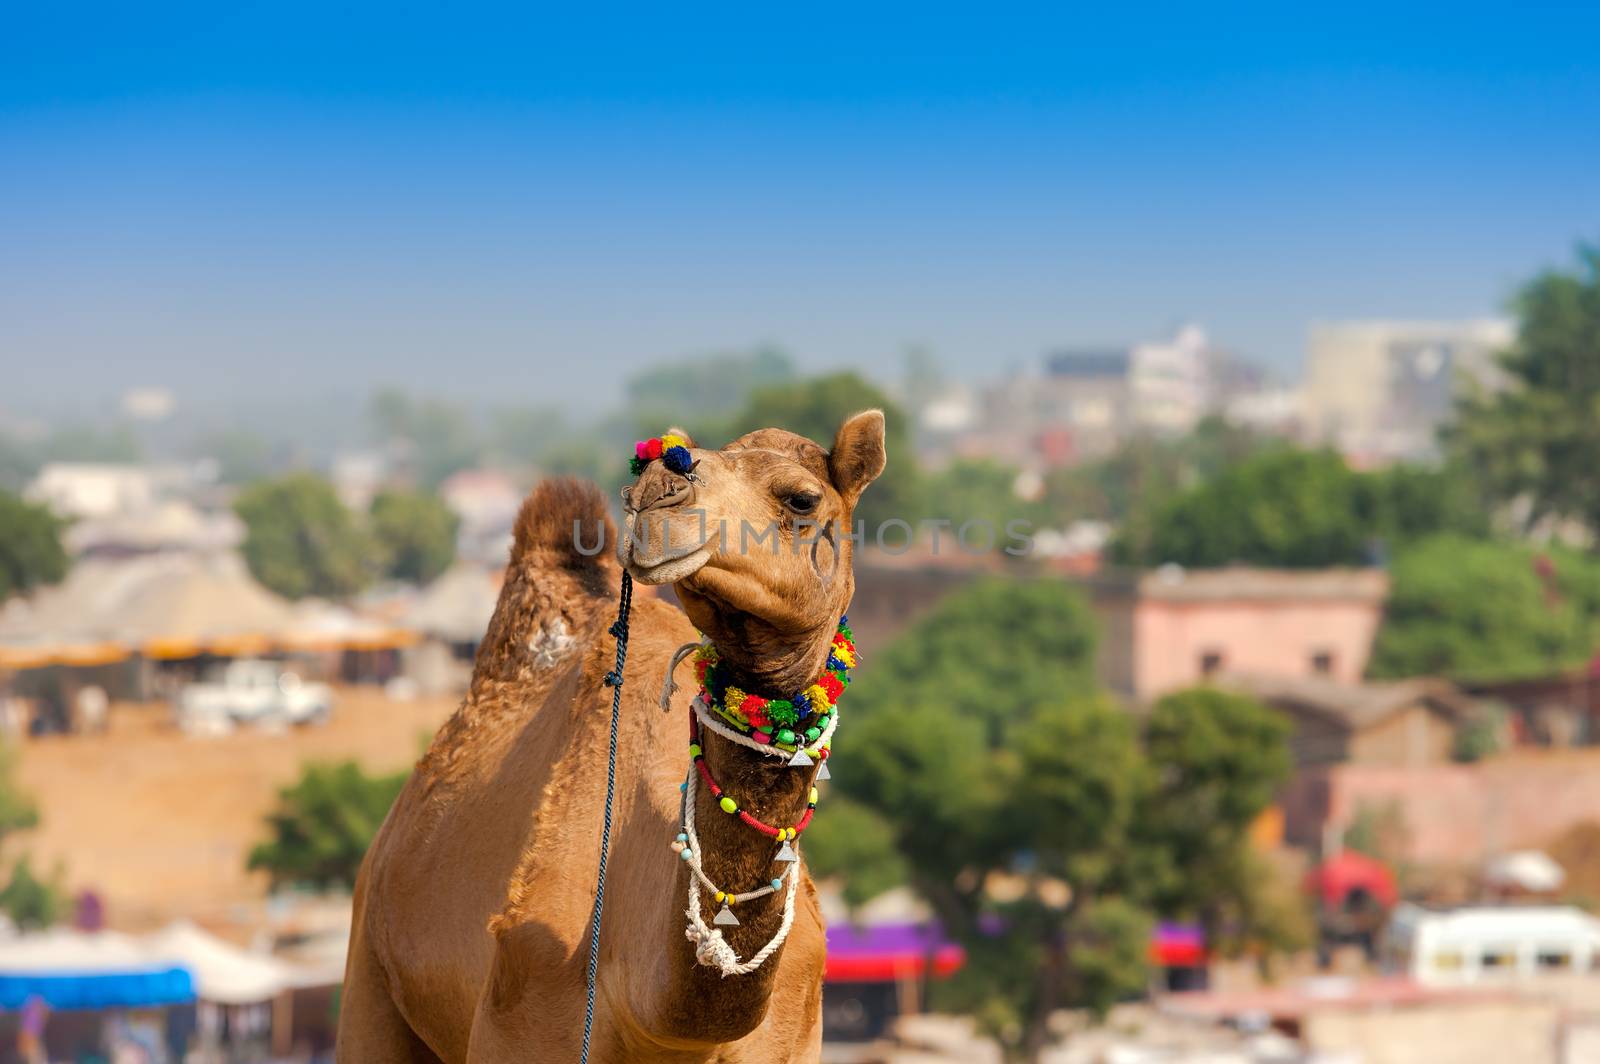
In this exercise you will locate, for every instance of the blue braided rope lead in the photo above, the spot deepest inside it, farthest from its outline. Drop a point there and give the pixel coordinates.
(613, 680)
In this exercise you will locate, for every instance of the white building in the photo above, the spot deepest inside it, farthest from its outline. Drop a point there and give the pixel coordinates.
(1170, 382)
(93, 489)
(1379, 390)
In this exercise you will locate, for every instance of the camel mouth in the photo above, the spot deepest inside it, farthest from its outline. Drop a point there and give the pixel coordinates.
(669, 570)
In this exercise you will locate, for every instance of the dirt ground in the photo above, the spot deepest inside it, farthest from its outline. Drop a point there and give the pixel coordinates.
(160, 823)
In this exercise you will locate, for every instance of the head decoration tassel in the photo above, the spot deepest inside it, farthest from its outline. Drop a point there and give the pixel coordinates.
(673, 450)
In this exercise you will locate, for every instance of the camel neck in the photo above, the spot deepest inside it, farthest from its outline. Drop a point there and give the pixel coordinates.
(747, 805)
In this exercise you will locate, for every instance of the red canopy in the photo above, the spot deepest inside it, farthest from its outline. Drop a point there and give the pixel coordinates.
(1336, 877)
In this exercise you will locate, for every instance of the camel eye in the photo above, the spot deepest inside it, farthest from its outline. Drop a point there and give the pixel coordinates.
(802, 502)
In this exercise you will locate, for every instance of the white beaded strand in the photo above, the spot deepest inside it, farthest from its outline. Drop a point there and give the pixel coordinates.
(710, 948)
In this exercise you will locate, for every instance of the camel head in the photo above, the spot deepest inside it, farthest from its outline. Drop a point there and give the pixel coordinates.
(754, 538)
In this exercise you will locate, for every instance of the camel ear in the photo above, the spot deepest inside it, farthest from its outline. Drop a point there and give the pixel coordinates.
(858, 455)
(676, 431)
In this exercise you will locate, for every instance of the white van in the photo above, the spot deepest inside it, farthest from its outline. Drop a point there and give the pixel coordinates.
(1491, 944)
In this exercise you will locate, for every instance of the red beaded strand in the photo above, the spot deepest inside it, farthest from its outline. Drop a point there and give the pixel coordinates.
(716, 791)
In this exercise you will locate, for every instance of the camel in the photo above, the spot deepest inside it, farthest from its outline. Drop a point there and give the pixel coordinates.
(470, 934)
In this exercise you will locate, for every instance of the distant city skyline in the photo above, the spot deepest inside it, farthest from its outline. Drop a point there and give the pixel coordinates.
(232, 204)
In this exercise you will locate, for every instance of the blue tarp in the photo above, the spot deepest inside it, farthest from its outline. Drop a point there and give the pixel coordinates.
(98, 990)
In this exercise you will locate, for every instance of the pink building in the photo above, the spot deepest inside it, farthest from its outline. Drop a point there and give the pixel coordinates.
(1171, 628)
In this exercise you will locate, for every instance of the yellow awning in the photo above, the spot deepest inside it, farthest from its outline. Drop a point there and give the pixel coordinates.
(239, 646)
(94, 654)
(392, 639)
(26, 657)
(172, 648)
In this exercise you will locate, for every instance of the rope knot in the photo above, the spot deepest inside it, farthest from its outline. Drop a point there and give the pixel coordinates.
(613, 679)
(712, 950)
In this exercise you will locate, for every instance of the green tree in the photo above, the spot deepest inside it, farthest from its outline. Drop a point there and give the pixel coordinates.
(1145, 472)
(856, 844)
(323, 824)
(1404, 503)
(30, 546)
(992, 654)
(1535, 441)
(814, 408)
(29, 901)
(1217, 759)
(33, 903)
(968, 745)
(415, 534)
(1043, 825)
(301, 540)
(1300, 509)
(1481, 610)
(1286, 508)
(18, 810)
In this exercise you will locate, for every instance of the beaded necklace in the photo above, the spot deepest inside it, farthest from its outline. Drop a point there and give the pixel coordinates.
(789, 724)
(773, 727)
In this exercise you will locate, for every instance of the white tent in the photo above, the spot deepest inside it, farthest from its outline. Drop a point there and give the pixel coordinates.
(223, 973)
(63, 949)
(1529, 870)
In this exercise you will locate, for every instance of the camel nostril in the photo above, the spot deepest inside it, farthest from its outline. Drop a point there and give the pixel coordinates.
(653, 493)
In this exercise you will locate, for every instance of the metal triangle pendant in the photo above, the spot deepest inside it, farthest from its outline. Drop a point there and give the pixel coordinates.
(725, 917)
(801, 759)
(786, 853)
(823, 773)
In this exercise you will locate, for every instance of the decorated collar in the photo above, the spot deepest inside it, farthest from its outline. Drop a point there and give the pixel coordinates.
(787, 723)
(672, 449)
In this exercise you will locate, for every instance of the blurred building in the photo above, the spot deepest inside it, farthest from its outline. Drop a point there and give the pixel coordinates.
(1171, 628)
(126, 509)
(1448, 815)
(1379, 390)
(1081, 403)
(486, 501)
(93, 489)
(1407, 722)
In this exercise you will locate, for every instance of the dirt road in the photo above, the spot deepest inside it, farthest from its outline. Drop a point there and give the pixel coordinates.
(160, 823)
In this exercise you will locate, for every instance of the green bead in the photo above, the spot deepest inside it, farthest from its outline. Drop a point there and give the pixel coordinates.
(694, 750)
(813, 734)
(728, 805)
(786, 736)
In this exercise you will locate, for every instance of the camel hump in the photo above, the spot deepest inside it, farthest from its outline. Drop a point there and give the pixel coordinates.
(564, 523)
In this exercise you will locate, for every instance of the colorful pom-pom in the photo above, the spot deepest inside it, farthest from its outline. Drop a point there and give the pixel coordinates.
(677, 459)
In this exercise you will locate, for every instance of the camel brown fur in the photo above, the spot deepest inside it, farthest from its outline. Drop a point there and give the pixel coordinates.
(471, 926)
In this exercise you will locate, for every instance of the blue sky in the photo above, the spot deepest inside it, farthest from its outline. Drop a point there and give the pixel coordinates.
(508, 204)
